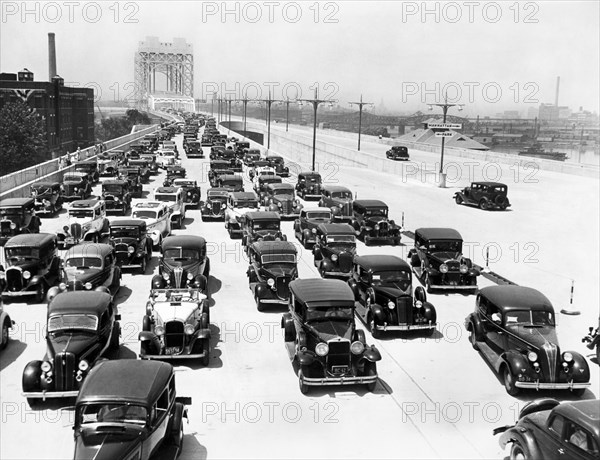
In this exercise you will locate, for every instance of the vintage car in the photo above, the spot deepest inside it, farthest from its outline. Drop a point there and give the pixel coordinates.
(133, 245)
(167, 158)
(262, 182)
(191, 191)
(216, 203)
(339, 200)
(260, 168)
(261, 226)
(32, 266)
(280, 198)
(438, 261)
(194, 150)
(550, 430)
(76, 186)
(215, 174)
(486, 195)
(514, 328)
(17, 215)
(278, 164)
(231, 182)
(397, 152)
(183, 264)
(132, 175)
(157, 217)
(593, 340)
(321, 336)
(116, 195)
(235, 164)
(5, 324)
(144, 166)
(129, 410)
(305, 226)
(172, 197)
(48, 198)
(108, 162)
(334, 250)
(273, 265)
(82, 327)
(241, 147)
(216, 151)
(174, 172)
(90, 167)
(151, 164)
(238, 204)
(250, 156)
(87, 222)
(176, 326)
(88, 266)
(371, 223)
(309, 185)
(382, 286)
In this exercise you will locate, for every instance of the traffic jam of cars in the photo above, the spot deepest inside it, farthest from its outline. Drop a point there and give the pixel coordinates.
(126, 214)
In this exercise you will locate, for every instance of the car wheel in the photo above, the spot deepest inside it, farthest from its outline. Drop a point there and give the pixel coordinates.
(303, 386)
(518, 452)
(373, 328)
(4, 341)
(259, 304)
(114, 338)
(473, 338)
(458, 199)
(206, 351)
(578, 392)
(427, 283)
(509, 382)
(143, 265)
(483, 204)
(40, 295)
(370, 370)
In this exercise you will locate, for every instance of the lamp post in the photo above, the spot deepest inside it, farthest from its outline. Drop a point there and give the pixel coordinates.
(212, 101)
(229, 114)
(287, 103)
(268, 103)
(244, 101)
(315, 102)
(360, 109)
(445, 106)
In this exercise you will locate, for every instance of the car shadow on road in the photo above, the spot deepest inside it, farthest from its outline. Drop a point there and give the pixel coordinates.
(214, 286)
(123, 294)
(13, 350)
(151, 267)
(191, 447)
(215, 361)
(410, 336)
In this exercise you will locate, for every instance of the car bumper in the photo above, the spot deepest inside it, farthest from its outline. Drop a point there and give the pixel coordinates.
(453, 287)
(173, 357)
(17, 293)
(552, 386)
(341, 274)
(316, 381)
(404, 327)
(43, 395)
(312, 196)
(274, 301)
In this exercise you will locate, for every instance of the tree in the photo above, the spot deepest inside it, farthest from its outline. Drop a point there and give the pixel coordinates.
(22, 137)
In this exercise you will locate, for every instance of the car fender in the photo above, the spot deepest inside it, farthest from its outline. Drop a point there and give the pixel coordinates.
(203, 334)
(580, 368)
(372, 354)
(305, 358)
(515, 362)
(261, 290)
(158, 282)
(472, 322)
(152, 341)
(307, 233)
(538, 405)
(32, 375)
(378, 313)
(354, 286)
(524, 437)
(35, 280)
(429, 312)
(327, 264)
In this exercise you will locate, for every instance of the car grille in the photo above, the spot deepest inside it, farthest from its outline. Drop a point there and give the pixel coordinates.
(177, 277)
(174, 336)
(216, 207)
(76, 231)
(14, 279)
(286, 206)
(64, 371)
(453, 265)
(282, 286)
(548, 362)
(404, 311)
(338, 358)
(345, 262)
(5, 227)
(121, 247)
(383, 228)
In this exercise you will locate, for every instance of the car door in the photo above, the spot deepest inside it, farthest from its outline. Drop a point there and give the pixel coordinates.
(159, 420)
(495, 335)
(361, 278)
(550, 440)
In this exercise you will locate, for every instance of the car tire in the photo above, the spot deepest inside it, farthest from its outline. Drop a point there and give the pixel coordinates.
(519, 452)
(206, 350)
(427, 283)
(143, 264)
(483, 205)
(5, 337)
(114, 338)
(375, 333)
(40, 294)
(370, 370)
(473, 338)
(458, 199)
(509, 382)
(303, 386)
(259, 304)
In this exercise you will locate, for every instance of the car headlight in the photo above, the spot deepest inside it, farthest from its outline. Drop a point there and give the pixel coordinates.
(464, 269)
(2, 275)
(62, 286)
(532, 356)
(322, 349)
(75, 189)
(188, 329)
(223, 206)
(46, 202)
(376, 226)
(271, 282)
(189, 193)
(444, 268)
(418, 304)
(568, 357)
(357, 347)
(189, 276)
(26, 274)
(13, 225)
(46, 366)
(279, 205)
(391, 305)
(83, 365)
(130, 249)
(88, 285)
(159, 330)
(334, 257)
(166, 276)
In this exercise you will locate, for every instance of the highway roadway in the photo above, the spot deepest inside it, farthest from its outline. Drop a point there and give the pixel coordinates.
(436, 397)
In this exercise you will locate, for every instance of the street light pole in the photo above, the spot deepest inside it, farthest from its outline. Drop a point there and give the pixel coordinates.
(268, 102)
(315, 102)
(360, 109)
(244, 101)
(287, 103)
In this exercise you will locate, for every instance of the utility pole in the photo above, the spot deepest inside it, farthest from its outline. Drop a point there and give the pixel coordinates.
(360, 109)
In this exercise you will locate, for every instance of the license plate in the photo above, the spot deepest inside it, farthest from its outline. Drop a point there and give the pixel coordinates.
(171, 350)
(339, 369)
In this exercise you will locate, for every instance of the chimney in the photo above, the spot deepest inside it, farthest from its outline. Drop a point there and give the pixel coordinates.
(557, 88)
(51, 57)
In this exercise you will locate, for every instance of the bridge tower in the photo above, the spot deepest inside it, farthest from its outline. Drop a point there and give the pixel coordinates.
(173, 63)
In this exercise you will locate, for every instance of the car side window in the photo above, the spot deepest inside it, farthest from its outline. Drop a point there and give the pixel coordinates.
(580, 438)
(364, 276)
(159, 410)
(556, 425)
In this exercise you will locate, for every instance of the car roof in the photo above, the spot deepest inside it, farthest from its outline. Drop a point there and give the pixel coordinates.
(309, 174)
(511, 297)
(319, 292)
(270, 157)
(275, 247)
(336, 229)
(435, 233)
(280, 186)
(231, 177)
(85, 204)
(130, 380)
(150, 205)
(114, 182)
(128, 222)
(218, 190)
(166, 189)
(336, 188)
(262, 215)
(46, 184)
(89, 250)
(490, 184)
(586, 413)
(16, 202)
(33, 240)
(178, 241)
(94, 302)
(76, 174)
(382, 262)
(318, 209)
(370, 203)
(243, 195)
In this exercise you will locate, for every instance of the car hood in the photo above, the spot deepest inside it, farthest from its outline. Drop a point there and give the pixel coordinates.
(107, 445)
(536, 336)
(181, 311)
(314, 223)
(73, 274)
(276, 270)
(445, 256)
(341, 249)
(281, 197)
(78, 343)
(332, 329)
(128, 240)
(393, 290)
(30, 265)
(79, 220)
(189, 265)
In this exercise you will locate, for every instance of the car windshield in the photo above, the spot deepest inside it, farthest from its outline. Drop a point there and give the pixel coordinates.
(14, 255)
(341, 239)
(73, 321)
(245, 204)
(112, 413)
(165, 197)
(226, 182)
(79, 213)
(342, 195)
(376, 212)
(498, 189)
(313, 179)
(120, 232)
(185, 183)
(11, 212)
(144, 214)
(278, 258)
(391, 277)
(330, 313)
(179, 254)
(445, 246)
(217, 194)
(283, 191)
(112, 188)
(83, 262)
(69, 178)
(531, 318)
(318, 215)
(266, 225)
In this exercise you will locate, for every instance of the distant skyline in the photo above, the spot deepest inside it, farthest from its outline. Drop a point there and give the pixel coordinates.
(496, 56)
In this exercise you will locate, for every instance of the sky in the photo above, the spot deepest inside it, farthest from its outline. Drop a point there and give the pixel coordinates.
(489, 56)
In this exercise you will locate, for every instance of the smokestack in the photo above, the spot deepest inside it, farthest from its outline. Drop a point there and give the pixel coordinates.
(51, 57)
(557, 88)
